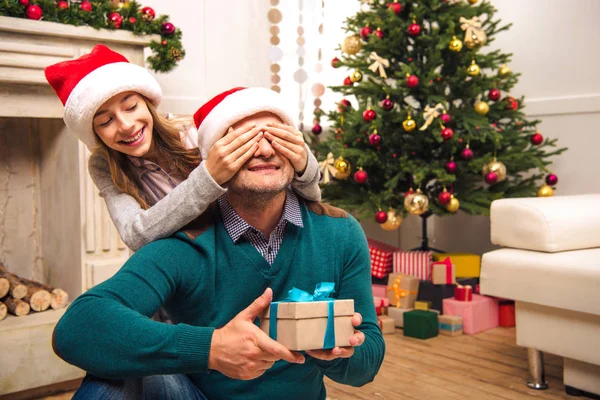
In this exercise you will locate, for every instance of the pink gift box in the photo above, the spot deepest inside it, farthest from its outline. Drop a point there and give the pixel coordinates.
(379, 290)
(381, 301)
(478, 315)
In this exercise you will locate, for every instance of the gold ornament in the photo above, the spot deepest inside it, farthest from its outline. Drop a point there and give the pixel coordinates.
(342, 168)
(351, 45)
(393, 222)
(409, 124)
(175, 54)
(482, 108)
(472, 1)
(495, 166)
(416, 203)
(504, 70)
(454, 204)
(455, 44)
(545, 191)
(356, 76)
(473, 69)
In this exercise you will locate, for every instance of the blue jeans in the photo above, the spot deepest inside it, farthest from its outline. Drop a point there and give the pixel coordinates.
(157, 387)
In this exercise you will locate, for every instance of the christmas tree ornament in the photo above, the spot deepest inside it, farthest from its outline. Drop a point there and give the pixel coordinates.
(327, 169)
(380, 217)
(451, 167)
(536, 138)
(168, 28)
(454, 205)
(395, 7)
(343, 105)
(62, 5)
(379, 33)
(545, 191)
(393, 221)
(444, 197)
(445, 118)
(175, 54)
(466, 154)
(552, 180)
(482, 108)
(132, 20)
(431, 113)
(416, 203)
(447, 134)
(115, 20)
(379, 64)
(164, 42)
(512, 104)
(414, 29)
(348, 81)
(148, 14)
(351, 45)
(494, 94)
(387, 104)
(473, 69)
(356, 76)
(342, 167)
(455, 44)
(409, 124)
(335, 62)
(317, 129)
(365, 31)
(34, 12)
(24, 3)
(360, 176)
(374, 138)
(86, 6)
(491, 178)
(369, 115)
(472, 1)
(412, 81)
(504, 70)
(497, 167)
(475, 36)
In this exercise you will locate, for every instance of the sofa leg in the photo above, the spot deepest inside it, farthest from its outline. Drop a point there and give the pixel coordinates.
(536, 370)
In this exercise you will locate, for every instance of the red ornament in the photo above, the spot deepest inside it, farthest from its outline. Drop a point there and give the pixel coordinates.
(24, 3)
(537, 138)
(34, 12)
(414, 29)
(494, 94)
(551, 180)
(451, 167)
(395, 7)
(360, 176)
(369, 115)
(491, 177)
(445, 118)
(444, 198)
(381, 217)
(115, 19)
(447, 134)
(467, 154)
(409, 191)
(148, 14)
(168, 28)
(164, 42)
(86, 6)
(387, 104)
(412, 81)
(335, 62)
(348, 81)
(512, 104)
(365, 32)
(374, 139)
(379, 33)
(317, 129)
(343, 104)
(132, 20)
(63, 5)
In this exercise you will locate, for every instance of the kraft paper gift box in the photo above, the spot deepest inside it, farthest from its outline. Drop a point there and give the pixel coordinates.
(309, 322)
(466, 265)
(386, 324)
(443, 272)
(478, 315)
(402, 290)
(421, 324)
(450, 325)
(381, 258)
(397, 314)
(428, 291)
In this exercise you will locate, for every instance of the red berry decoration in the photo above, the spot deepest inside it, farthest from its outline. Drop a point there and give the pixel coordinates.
(444, 198)
(317, 129)
(551, 180)
(115, 20)
(62, 5)
(132, 20)
(445, 118)
(491, 178)
(168, 28)
(494, 94)
(365, 32)
(387, 104)
(412, 81)
(369, 115)
(381, 217)
(537, 138)
(451, 167)
(348, 81)
(447, 134)
(164, 42)
(148, 14)
(379, 33)
(467, 154)
(34, 12)
(414, 29)
(374, 139)
(395, 7)
(335, 62)
(360, 177)
(24, 3)
(86, 6)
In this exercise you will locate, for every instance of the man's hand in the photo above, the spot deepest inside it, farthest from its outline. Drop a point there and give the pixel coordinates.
(240, 350)
(342, 352)
(288, 141)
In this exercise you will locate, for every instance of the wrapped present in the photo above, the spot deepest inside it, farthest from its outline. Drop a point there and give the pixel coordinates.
(506, 314)
(397, 314)
(386, 324)
(381, 305)
(379, 290)
(413, 263)
(443, 272)
(422, 305)
(428, 291)
(463, 293)
(402, 290)
(466, 265)
(478, 315)
(421, 324)
(381, 258)
(450, 325)
(307, 321)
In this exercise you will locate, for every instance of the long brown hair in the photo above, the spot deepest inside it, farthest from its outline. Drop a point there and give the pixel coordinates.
(168, 144)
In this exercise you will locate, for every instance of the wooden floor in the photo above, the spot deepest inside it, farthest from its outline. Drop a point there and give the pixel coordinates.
(487, 366)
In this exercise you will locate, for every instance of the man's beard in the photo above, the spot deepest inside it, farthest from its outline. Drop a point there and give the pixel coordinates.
(252, 195)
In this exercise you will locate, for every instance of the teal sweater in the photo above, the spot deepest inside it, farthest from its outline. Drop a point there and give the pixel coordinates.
(203, 280)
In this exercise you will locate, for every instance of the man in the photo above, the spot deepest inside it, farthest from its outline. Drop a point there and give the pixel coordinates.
(214, 279)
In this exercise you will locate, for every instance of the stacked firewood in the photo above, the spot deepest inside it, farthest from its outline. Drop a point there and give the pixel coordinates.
(20, 296)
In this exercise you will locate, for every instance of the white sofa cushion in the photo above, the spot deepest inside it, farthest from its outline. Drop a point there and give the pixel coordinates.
(568, 280)
(549, 224)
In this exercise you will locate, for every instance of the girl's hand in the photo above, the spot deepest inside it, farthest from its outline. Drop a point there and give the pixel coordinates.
(232, 151)
(289, 142)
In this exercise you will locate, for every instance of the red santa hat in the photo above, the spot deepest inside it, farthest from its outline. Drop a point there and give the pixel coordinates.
(215, 117)
(84, 84)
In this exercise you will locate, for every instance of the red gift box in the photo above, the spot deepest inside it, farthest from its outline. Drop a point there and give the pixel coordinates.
(507, 315)
(381, 303)
(463, 293)
(413, 263)
(381, 258)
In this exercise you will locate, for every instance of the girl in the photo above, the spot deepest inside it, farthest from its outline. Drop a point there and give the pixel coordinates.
(147, 168)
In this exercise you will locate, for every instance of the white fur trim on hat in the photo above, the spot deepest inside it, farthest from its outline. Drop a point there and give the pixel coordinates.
(235, 107)
(99, 86)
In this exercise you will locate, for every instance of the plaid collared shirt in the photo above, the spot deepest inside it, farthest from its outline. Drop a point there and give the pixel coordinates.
(268, 248)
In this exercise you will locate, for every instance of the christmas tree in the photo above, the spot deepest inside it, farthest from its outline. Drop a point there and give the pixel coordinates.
(427, 124)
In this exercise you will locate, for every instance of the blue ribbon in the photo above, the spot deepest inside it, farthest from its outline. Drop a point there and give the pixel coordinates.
(322, 292)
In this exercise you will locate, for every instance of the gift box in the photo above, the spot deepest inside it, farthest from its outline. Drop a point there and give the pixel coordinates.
(381, 258)
(506, 314)
(413, 263)
(422, 305)
(397, 314)
(306, 321)
(463, 293)
(428, 291)
(443, 272)
(381, 305)
(450, 325)
(386, 324)
(379, 290)
(466, 265)
(402, 290)
(421, 324)
(478, 315)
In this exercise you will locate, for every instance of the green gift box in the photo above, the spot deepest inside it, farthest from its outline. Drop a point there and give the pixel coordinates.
(421, 324)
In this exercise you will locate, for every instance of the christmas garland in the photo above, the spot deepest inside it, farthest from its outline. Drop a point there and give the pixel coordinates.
(103, 14)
